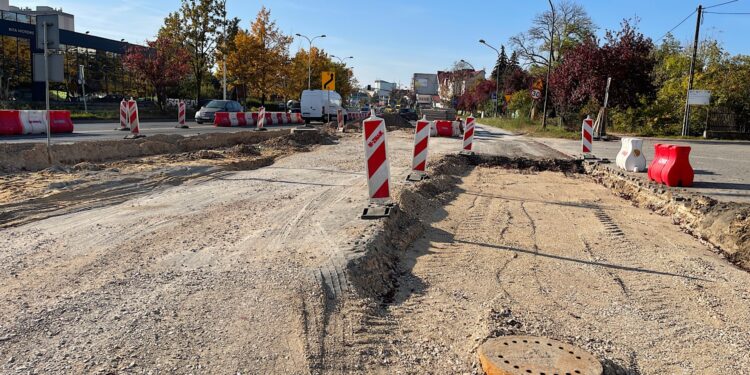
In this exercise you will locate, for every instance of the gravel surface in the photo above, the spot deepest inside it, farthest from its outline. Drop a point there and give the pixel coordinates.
(262, 271)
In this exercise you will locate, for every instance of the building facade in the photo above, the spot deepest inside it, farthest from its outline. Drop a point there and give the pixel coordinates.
(100, 57)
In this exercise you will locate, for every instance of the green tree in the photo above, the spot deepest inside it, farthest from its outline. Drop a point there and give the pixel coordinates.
(202, 24)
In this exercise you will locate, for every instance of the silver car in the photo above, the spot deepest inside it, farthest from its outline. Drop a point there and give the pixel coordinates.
(207, 112)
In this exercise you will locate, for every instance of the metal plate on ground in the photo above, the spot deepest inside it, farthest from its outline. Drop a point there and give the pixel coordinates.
(416, 177)
(303, 129)
(511, 355)
(376, 212)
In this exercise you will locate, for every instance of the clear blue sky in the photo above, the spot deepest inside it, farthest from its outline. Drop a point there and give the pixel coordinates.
(391, 39)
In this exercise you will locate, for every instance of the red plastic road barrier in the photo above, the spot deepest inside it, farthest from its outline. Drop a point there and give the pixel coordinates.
(378, 170)
(660, 160)
(10, 123)
(60, 122)
(444, 128)
(222, 119)
(678, 171)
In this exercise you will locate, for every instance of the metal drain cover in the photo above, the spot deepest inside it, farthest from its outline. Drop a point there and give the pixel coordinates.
(521, 355)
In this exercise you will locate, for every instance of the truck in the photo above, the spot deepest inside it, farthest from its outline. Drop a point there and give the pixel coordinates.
(320, 105)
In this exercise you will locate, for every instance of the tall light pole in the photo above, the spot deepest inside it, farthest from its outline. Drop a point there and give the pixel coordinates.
(469, 64)
(341, 59)
(549, 65)
(309, 55)
(224, 55)
(497, 75)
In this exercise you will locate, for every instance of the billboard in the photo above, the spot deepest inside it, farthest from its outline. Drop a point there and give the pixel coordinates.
(425, 83)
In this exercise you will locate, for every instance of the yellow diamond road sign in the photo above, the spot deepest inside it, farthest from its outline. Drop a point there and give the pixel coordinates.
(329, 80)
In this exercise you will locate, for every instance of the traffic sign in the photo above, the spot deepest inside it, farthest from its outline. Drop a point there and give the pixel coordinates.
(536, 94)
(507, 98)
(494, 96)
(329, 80)
(699, 97)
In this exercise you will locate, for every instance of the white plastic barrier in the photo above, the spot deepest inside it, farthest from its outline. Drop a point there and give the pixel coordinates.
(34, 122)
(630, 157)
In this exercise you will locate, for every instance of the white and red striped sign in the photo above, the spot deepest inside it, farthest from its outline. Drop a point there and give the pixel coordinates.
(340, 120)
(262, 117)
(133, 118)
(181, 113)
(587, 136)
(376, 159)
(421, 142)
(124, 124)
(469, 134)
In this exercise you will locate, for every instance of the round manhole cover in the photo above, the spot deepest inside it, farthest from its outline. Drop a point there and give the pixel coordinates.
(511, 355)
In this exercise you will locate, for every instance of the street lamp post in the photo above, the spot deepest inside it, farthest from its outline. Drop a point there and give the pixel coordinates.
(309, 57)
(497, 75)
(549, 65)
(341, 59)
(224, 54)
(469, 64)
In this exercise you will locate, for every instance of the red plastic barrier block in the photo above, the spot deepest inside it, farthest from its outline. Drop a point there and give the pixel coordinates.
(661, 156)
(678, 171)
(60, 122)
(10, 123)
(222, 119)
(444, 128)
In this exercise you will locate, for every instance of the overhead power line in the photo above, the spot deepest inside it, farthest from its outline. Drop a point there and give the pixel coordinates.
(678, 25)
(734, 13)
(718, 5)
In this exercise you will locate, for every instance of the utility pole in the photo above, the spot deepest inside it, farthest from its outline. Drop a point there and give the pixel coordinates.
(46, 87)
(549, 65)
(224, 55)
(686, 123)
(497, 75)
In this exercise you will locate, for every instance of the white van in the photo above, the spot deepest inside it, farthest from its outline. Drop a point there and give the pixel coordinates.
(318, 105)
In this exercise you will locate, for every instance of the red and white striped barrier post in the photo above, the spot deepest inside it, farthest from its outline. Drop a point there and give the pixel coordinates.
(377, 167)
(419, 158)
(261, 119)
(340, 120)
(181, 108)
(124, 118)
(468, 136)
(133, 119)
(587, 137)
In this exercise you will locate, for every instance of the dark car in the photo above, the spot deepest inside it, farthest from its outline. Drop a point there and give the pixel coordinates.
(408, 114)
(208, 111)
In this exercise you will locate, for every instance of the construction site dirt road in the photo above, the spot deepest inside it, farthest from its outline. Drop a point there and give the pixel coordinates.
(268, 269)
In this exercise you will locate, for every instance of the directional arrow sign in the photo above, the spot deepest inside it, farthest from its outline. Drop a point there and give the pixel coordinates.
(329, 80)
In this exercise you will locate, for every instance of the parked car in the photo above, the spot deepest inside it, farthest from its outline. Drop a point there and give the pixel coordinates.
(408, 114)
(207, 112)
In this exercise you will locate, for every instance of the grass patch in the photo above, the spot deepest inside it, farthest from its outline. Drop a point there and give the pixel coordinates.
(530, 128)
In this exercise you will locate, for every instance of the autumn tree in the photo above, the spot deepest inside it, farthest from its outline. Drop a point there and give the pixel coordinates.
(571, 26)
(163, 64)
(259, 57)
(581, 75)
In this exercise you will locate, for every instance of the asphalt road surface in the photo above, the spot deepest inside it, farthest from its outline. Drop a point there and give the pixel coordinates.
(105, 131)
(722, 168)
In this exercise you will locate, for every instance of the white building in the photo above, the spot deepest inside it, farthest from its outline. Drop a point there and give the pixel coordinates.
(67, 20)
(383, 88)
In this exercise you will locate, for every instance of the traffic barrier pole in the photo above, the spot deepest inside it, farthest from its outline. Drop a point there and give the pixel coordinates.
(377, 168)
(587, 137)
(181, 109)
(261, 119)
(124, 120)
(469, 135)
(340, 120)
(135, 128)
(419, 157)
